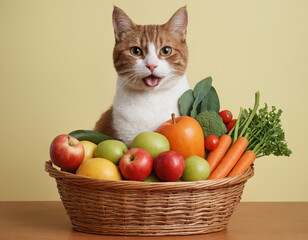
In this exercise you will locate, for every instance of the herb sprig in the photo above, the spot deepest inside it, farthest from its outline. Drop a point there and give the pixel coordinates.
(263, 131)
(266, 135)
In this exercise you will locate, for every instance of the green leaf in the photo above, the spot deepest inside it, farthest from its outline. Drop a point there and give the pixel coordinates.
(210, 101)
(193, 113)
(200, 91)
(186, 101)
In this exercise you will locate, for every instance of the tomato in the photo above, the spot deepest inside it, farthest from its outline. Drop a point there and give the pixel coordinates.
(226, 116)
(211, 142)
(230, 125)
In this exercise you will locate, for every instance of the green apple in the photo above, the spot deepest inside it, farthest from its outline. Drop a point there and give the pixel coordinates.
(154, 143)
(111, 150)
(152, 178)
(196, 168)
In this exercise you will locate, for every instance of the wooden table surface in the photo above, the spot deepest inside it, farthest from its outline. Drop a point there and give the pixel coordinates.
(48, 220)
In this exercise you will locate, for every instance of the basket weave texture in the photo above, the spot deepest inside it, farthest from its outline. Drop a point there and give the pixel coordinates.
(148, 208)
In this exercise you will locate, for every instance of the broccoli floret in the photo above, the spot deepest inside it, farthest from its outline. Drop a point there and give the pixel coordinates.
(211, 123)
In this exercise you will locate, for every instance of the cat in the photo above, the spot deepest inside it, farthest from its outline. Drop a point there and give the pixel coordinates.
(150, 61)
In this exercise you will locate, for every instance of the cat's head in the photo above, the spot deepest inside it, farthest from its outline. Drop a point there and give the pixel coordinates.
(149, 56)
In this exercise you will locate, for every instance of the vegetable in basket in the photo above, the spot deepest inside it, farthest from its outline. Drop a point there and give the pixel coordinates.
(202, 98)
(266, 137)
(254, 135)
(211, 123)
(89, 135)
(215, 157)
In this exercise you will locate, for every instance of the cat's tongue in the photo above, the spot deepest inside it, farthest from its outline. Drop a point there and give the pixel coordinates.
(151, 81)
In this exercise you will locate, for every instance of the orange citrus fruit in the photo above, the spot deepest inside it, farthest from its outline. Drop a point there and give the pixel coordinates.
(99, 168)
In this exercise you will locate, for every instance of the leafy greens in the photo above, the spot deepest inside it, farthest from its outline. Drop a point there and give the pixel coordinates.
(202, 98)
(263, 130)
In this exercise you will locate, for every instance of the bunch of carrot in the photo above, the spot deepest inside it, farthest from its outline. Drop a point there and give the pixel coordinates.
(253, 136)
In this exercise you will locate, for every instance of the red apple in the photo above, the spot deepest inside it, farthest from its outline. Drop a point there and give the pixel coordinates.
(169, 166)
(136, 164)
(66, 152)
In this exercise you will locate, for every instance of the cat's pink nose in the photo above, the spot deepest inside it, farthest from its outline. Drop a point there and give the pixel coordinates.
(151, 67)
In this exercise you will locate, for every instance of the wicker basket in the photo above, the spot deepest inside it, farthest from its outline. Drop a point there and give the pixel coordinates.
(148, 209)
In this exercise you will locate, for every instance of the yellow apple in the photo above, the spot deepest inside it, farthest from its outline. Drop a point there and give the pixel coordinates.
(89, 149)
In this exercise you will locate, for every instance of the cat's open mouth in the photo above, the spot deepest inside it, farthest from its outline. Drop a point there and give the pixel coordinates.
(151, 81)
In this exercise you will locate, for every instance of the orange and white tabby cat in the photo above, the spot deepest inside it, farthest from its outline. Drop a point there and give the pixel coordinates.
(150, 61)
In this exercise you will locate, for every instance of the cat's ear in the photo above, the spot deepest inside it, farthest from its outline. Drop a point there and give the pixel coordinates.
(121, 23)
(178, 22)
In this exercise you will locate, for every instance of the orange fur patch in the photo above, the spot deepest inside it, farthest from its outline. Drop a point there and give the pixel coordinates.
(141, 36)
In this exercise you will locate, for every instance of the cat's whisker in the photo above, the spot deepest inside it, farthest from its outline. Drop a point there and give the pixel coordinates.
(188, 73)
(130, 79)
(174, 74)
(125, 82)
(134, 82)
(124, 71)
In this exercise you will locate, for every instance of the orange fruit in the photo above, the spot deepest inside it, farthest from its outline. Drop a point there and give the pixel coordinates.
(185, 136)
(99, 168)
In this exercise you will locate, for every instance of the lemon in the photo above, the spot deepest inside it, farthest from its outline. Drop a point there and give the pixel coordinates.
(89, 149)
(99, 168)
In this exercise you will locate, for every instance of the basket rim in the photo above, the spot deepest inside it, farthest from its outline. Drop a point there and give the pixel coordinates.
(149, 186)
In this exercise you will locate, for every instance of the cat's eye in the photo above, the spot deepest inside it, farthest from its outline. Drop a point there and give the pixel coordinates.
(136, 51)
(165, 51)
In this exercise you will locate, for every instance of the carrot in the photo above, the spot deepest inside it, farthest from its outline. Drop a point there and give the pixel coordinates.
(215, 156)
(243, 163)
(230, 159)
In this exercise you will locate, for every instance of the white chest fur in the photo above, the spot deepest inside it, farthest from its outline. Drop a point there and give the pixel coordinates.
(136, 111)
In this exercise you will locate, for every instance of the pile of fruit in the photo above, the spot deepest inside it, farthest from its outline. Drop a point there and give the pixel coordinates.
(203, 143)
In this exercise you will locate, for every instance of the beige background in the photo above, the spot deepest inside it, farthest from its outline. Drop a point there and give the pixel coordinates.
(57, 75)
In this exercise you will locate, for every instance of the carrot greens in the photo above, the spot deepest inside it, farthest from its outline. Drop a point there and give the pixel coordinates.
(266, 134)
(263, 130)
